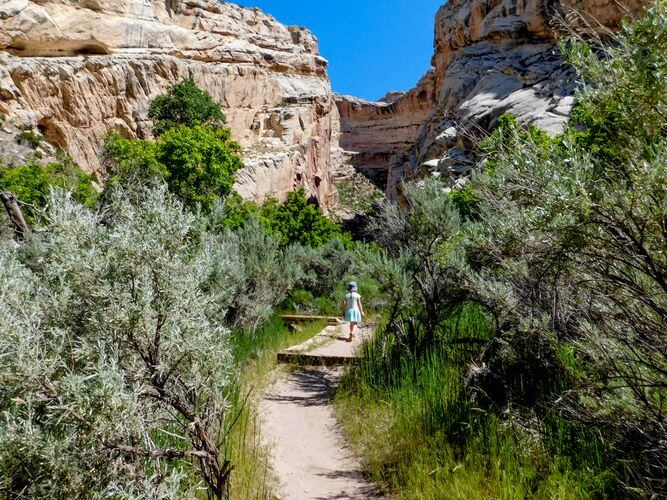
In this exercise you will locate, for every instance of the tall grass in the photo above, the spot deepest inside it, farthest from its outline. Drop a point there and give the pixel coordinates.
(411, 420)
(255, 358)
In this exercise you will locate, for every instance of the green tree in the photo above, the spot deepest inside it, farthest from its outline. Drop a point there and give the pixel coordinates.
(131, 162)
(298, 221)
(184, 104)
(200, 163)
(32, 182)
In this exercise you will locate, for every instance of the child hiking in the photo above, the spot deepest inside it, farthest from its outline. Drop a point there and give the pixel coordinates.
(352, 309)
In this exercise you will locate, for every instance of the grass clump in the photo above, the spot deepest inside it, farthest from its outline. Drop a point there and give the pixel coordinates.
(421, 436)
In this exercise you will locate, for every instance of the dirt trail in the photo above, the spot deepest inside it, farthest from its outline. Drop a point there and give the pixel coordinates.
(308, 451)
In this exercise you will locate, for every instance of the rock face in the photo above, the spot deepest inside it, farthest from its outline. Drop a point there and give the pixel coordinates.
(491, 57)
(76, 69)
(374, 133)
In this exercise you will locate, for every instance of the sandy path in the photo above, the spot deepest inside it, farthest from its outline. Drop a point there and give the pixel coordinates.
(309, 455)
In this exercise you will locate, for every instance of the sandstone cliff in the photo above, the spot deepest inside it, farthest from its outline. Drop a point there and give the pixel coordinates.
(78, 68)
(491, 57)
(375, 132)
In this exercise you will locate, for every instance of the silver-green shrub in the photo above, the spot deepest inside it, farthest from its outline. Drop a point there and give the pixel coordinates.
(263, 274)
(114, 359)
(563, 241)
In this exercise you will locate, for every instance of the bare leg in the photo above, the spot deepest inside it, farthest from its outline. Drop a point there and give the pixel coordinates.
(353, 326)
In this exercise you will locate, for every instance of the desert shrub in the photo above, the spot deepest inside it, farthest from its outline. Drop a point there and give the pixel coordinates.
(31, 183)
(579, 258)
(426, 241)
(184, 104)
(510, 135)
(115, 364)
(324, 267)
(265, 273)
(325, 273)
(564, 250)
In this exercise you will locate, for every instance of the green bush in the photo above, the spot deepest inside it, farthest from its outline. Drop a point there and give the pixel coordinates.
(299, 301)
(296, 221)
(31, 184)
(184, 104)
(325, 273)
(193, 153)
(198, 163)
(132, 162)
(425, 242)
(624, 102)
(29, 138)
(238, 212)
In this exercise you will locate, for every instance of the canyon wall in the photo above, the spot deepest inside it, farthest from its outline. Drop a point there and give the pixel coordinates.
(75, 69)
(377, 134)
(491, 57)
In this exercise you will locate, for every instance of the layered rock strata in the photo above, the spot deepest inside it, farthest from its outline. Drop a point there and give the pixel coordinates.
(374, 133)
(76, 69)
(491, 57)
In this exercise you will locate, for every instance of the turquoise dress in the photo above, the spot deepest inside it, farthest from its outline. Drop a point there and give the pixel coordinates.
(352, 312)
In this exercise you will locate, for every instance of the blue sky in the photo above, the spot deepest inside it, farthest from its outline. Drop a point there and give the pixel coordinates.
(373, 46)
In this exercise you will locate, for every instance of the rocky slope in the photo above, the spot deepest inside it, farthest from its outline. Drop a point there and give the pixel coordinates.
(74, 69)
(491, 57)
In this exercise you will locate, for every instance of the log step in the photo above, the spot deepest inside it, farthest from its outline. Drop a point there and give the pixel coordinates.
(300, 318)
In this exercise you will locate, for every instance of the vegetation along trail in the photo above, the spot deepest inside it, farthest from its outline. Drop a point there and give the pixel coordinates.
(516, 276)
(309, 454)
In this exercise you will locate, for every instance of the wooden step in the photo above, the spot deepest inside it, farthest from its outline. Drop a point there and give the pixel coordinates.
(305, 359)
(300, 318)
(327, 348)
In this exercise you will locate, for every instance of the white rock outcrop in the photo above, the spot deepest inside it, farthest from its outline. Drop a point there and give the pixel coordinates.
(76, 69)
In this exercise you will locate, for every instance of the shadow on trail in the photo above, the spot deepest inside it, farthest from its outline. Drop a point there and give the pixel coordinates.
(354, 475)
(314, 387)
